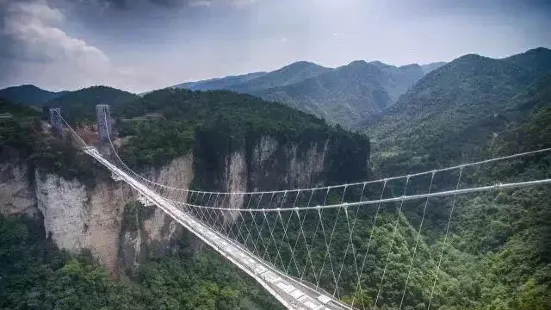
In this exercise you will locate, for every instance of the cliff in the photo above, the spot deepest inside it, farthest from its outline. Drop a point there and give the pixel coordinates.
(104, 218)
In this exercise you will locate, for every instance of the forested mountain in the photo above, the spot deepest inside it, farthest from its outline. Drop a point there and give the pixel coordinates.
(81, 104)
(258, 81)
(432, 66)
(345, 95)
(221, 83)
(29, 94)
(216, 123)
(349, 94)
(397, 80)
(288, 75)
(477, 108)
(212, 126)
(463, 102)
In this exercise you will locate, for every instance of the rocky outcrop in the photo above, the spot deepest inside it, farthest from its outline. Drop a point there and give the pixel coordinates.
(151, 231)
(79, 216)
(273, 165)
(16, 191)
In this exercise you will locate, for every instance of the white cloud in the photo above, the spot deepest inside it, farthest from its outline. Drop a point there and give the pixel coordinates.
(42, 53)
(32, 28)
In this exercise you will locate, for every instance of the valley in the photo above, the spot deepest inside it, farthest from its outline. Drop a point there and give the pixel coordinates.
(71, 237)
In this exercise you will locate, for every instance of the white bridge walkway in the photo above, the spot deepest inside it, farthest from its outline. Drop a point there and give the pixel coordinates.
(290, 292)
(322, 263)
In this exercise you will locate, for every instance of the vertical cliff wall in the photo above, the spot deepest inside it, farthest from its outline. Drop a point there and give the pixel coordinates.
(97, 216)
(16, 191)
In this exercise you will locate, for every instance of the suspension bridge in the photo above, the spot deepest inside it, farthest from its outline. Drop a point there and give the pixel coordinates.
(302, 245)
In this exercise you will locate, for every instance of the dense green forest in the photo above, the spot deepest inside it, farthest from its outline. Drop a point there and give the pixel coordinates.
(473, 108)
(454, 112)
(230, 117)
(345, 95)
(214, 124)
(29, 94)
(22, 137)
(35, 274)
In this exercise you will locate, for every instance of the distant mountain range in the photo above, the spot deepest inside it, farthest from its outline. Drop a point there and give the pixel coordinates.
(345, 95)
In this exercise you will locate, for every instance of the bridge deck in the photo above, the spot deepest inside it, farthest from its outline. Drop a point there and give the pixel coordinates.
(289, 291)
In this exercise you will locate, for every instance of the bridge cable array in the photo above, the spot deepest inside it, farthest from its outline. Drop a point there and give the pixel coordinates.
(317, 235)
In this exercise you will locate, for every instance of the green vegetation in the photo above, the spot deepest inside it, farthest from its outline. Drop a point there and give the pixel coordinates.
(498, 252)
(80, 105)
(453, 113)
(346, 95)
(34, 274)
(497, 255)
(22, 137)
(216, 123)
(28, 94)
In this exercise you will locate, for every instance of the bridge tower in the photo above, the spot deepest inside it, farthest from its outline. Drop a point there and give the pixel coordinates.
(56, 122)
(104, 122)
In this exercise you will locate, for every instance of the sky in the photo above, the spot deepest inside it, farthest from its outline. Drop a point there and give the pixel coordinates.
(140, 45)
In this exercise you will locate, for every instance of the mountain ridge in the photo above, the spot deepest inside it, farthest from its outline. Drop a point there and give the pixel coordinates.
(323, 91)
(450, 102)
(29, 94)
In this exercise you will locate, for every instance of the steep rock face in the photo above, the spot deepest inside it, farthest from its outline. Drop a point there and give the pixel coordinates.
(179, 173)
(16, 191)
(270, 164)
(98, 218)
(150, 231)
(79, 218)
(287, 165)
(262, 164)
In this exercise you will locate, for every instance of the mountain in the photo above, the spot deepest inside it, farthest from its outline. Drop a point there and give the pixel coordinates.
(216, 123)
(427, 68)
(220, 83)
(288, 75)
(258, 81)
(457, 109)
(345, 95)
(82, 103)
(476, 108)
(397, 80)
(29, 94)
(349, 94)
(537, 61)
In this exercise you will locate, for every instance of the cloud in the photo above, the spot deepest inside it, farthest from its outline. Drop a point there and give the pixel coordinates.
(31, 29)
(39, 51)
(129, 4)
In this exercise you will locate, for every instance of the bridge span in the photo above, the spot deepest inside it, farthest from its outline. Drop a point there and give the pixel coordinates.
(291, 292)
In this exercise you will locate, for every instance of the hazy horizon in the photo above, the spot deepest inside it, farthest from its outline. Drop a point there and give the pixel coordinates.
(143, 45)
